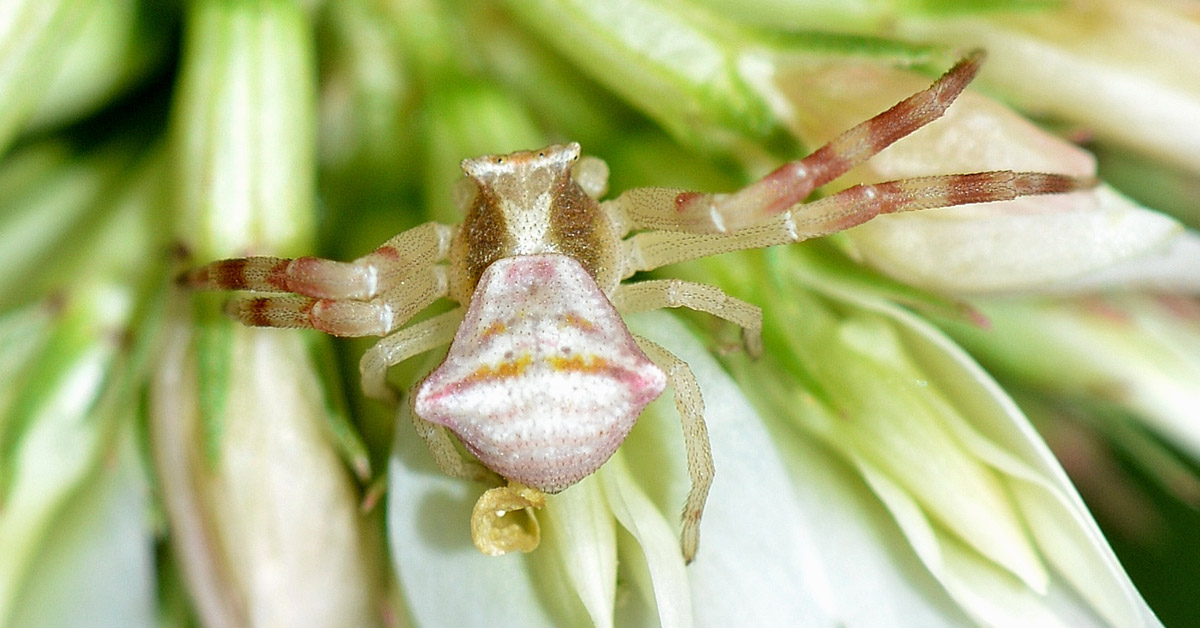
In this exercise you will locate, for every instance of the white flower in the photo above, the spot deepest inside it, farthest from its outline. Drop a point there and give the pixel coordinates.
(799, 530)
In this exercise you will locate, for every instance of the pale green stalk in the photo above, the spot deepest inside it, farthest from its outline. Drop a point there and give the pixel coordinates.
(677, 64)
(855, 15)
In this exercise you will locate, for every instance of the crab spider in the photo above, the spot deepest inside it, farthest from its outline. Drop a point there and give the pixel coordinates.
(543, 381)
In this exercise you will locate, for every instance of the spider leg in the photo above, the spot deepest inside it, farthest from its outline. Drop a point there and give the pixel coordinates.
(364, 278)
(662, 293)
(341, 317)
(449, 459)
(690, 405)
(402, 345)
(850, 207)
(860, 203)
(791, 183)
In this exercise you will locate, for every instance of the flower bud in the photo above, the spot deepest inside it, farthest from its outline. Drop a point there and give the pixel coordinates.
(1138, 352)
(72, 497)
(263, 513)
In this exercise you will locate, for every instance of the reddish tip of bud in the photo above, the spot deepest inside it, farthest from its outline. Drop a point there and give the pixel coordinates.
(976, 317)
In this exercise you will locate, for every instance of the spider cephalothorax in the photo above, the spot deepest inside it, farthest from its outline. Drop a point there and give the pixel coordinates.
(543, 381)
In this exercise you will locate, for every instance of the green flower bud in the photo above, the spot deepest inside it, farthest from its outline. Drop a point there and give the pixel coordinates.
(241, 421)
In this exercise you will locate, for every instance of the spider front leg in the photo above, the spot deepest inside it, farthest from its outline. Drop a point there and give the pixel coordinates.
(372, 295)
(771, 211)
(791, 183)
(850, 207)
(398, 258)
(690, 405)
(344, 317)
(860, 203)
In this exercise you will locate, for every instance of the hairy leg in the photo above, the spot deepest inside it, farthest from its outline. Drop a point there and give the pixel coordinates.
(644, 296)
(850, 207)
(377, 317)
(402, 345)
(396, 260)
(791, 183)
(690, 405)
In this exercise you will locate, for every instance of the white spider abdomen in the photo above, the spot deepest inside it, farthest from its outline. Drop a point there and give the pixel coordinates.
(543, 381)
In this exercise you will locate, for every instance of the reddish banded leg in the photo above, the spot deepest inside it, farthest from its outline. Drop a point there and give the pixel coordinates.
(397, 259)
(850, 207)
(376, 317)
(860, 203)
(791, 183)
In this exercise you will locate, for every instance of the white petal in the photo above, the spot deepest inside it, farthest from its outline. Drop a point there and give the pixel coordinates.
(1000, 435)
(658, 540)
(1112, 66)
(1171, 268)
(758, 563)
(897, 425)
(444, 579)
(1037, 243)
(1132, 350)
(97, 566)
(577, 527)
(863, 551)
(986, 593)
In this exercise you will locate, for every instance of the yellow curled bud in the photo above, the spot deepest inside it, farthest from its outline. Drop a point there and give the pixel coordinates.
(503, 520)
